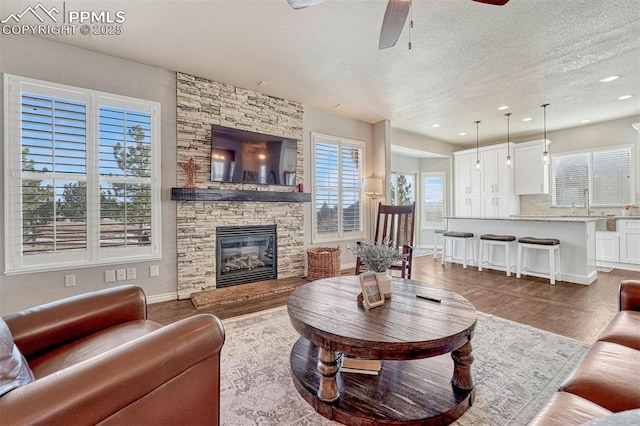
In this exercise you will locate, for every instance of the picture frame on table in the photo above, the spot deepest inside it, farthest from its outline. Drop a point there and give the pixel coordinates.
(372, 295)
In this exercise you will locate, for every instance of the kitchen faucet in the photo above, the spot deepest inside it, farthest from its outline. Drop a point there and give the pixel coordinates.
(586, 202)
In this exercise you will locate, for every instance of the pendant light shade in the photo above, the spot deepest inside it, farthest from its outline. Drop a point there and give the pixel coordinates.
(508, 161)
(477, 145)
(545, 154)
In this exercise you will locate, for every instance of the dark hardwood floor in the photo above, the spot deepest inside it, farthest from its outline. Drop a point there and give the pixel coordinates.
(572, 310)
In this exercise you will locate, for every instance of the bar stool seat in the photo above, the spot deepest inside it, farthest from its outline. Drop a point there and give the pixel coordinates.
(492, 240)
(436, 233)
(552, 245)
(454, 237)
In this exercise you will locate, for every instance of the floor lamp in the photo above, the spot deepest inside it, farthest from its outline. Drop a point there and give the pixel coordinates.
(372, 187)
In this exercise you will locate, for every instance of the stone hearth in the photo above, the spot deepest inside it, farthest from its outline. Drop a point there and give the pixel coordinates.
(200, 104)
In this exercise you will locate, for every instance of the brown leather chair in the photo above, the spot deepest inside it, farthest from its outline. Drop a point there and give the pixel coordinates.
(397, 225)
(96, 358)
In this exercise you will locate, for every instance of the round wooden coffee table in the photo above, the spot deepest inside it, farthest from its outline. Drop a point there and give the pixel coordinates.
(418, 383)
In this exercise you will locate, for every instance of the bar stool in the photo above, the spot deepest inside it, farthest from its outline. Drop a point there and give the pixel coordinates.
(491, 240)
(551, 245)
(462, 237)
(437, 234)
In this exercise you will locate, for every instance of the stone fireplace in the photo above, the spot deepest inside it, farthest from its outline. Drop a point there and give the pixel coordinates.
(246, 254)
(200, 104)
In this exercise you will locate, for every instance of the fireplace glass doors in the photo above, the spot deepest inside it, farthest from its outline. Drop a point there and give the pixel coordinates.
(245, 254)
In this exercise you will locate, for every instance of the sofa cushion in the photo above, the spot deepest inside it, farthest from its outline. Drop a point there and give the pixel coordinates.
(14, 371)
(608, 375)
(623, 329)
(90, 346)
(564, 409)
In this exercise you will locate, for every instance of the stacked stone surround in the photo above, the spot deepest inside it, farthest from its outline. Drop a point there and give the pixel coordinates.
(202, 103)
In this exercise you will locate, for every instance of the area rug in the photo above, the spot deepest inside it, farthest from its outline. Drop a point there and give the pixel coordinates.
(516, 369)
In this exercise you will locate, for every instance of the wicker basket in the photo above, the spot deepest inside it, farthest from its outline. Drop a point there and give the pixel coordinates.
(323, 262)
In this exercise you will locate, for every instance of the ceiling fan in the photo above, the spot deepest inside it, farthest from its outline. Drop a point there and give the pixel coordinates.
(394, 17)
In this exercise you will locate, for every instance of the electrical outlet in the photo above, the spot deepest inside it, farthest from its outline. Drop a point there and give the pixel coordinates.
(154, 271)
(121, 274)
(131, 274)
(69, 280)
(110, 276)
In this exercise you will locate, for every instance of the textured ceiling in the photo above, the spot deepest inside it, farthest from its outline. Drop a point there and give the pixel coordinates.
(467, 58)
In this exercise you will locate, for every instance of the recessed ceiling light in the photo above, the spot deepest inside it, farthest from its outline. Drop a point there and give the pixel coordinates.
(462, 134)
(527, 119)
(622, 98)
(435, 126)
(610, 78)
(503, 107)
(586, 121)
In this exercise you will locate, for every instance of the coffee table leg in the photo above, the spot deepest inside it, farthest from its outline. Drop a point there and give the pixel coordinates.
(462, 360)
(328, 368)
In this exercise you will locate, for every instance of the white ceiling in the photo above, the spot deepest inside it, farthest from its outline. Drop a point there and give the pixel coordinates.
(467, 58)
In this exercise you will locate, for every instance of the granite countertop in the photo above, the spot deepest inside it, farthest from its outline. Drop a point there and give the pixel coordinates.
(573, 219)
(548, 218)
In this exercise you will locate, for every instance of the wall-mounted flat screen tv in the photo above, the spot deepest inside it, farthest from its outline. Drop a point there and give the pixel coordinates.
(248, 157)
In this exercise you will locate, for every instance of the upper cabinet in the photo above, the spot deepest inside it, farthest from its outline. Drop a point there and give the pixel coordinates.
(531, 174)
(467, 177)
(495, 174)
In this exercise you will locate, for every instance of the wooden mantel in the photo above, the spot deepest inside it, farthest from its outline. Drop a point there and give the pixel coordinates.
(186, 194)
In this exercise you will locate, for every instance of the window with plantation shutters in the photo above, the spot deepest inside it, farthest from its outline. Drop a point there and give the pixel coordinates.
(337, 176)
(79, 187)
(602, 178)
(435, 200)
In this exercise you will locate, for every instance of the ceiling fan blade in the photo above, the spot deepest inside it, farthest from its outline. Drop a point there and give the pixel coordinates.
(493, 2)
(394, 18)
(301, 4)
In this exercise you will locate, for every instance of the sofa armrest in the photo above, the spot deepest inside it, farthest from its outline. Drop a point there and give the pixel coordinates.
(127, 382)
(44, 327)
(629, 293)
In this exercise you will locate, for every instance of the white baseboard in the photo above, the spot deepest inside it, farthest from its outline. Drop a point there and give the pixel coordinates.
(165, 297)
(347, 265)
(615, 265)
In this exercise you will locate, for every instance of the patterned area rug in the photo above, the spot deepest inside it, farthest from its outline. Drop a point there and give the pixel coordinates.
(516, 369)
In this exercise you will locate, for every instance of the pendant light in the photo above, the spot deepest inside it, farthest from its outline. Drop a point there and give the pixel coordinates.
(508, 162)
(477, 147)
(545, 153)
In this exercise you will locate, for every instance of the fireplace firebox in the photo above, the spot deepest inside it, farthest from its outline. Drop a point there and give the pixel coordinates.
(245, 254)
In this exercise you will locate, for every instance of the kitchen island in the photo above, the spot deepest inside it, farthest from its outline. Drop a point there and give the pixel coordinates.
(577, 237)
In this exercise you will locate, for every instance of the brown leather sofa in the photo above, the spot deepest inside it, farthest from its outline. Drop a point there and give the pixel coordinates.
(607, 379)
(97, 359)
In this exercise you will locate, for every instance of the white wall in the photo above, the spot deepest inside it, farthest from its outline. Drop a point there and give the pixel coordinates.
(50, 61)
(318, 121)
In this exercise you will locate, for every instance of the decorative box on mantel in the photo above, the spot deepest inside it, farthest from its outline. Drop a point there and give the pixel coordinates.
(187, 194)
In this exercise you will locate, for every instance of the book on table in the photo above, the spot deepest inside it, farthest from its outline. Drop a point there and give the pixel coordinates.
(359, 371)
(350, 363)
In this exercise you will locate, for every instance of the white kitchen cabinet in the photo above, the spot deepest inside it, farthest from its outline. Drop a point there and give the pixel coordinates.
(607, 246)
(629, 231)
(467, 176)
(531, 174)
(487, 192)
(468, 206)
(495, 174)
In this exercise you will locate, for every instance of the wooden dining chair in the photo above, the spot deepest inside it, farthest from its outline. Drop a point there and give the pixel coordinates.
(397, 225)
